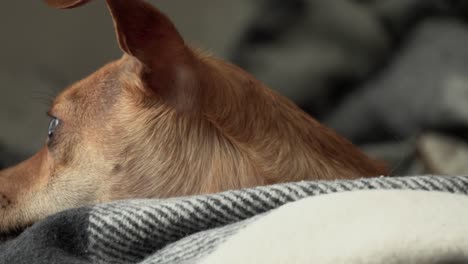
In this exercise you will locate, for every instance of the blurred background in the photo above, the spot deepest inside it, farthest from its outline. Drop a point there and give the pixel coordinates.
(391, 76)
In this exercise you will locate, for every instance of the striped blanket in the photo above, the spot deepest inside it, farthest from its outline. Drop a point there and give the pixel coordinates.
(179, 230)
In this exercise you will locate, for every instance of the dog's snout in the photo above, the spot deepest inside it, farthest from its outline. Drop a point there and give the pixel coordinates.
(4, 201)
(6, 189)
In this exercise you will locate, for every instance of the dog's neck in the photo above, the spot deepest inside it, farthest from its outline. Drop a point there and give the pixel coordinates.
(257, 138)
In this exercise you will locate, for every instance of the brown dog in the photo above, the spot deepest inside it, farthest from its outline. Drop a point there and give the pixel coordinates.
(167, 120)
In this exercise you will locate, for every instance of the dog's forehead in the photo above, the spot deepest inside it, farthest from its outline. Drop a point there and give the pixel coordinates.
(97, 91)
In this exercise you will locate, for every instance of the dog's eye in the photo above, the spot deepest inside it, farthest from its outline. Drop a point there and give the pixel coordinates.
(54, 123)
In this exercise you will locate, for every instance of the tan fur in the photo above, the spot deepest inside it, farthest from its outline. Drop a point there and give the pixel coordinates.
(166, 120)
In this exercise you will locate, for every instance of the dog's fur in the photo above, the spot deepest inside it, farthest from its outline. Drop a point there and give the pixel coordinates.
(167, 120)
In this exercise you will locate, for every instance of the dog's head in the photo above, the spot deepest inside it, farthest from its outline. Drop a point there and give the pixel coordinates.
(167, 120)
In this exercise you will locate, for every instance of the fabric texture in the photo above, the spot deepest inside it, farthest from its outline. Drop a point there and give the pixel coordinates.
(378, 227)
(181, 230)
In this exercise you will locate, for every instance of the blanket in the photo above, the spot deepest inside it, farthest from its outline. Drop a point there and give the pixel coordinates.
(378, 227)
(179, 230)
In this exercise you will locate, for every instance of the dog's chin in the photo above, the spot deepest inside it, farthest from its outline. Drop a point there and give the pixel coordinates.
(11, 227)
(13, 233)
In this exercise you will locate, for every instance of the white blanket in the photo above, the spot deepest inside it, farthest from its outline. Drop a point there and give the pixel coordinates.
(357, 227)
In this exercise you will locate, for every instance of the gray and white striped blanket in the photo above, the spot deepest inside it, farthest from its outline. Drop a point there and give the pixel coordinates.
(181, 230)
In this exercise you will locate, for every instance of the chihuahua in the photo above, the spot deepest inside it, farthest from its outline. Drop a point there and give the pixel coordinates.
(168, 120)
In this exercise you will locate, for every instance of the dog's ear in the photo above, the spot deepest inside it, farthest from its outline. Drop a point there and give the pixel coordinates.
(148, 35)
